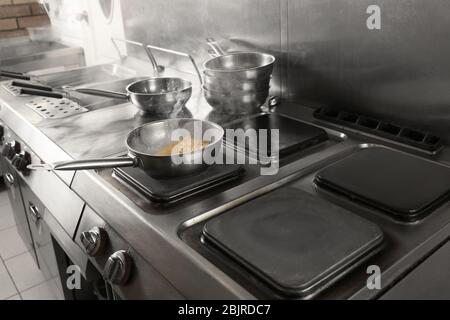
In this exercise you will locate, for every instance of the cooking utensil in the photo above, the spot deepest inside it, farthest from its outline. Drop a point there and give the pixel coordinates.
(226, 86)
(237, 103)
(15, 75)
(144, 145)
(239, 65)
(153, 95)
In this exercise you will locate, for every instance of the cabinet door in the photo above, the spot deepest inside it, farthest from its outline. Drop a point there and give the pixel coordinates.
(12, 182)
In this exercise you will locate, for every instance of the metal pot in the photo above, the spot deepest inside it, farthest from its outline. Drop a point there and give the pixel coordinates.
(238, 66)
(153, 95)
(228, 87)
(237, 103)
(144, 144)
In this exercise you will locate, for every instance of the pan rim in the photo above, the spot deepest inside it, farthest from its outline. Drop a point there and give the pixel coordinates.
(213, 124)
(271, 57)
(187, 82)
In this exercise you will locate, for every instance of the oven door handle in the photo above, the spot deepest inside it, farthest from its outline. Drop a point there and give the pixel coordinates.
(10, 179)
(35, 215)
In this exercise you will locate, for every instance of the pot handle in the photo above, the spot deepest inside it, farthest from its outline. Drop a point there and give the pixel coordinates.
(91, 164)
(103, 93)
(42, 93)
(216, 48)
(14, 76)
(30, 86)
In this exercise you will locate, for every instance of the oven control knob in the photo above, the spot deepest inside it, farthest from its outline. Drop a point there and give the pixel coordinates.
(11, 149)
(94, 241)
(21, 161)
(118, 268)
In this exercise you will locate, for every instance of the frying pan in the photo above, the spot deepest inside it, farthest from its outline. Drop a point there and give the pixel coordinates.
(144, 144)
(162, 95)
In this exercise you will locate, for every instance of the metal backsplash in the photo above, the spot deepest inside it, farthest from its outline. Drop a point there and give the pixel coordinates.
(326, 54)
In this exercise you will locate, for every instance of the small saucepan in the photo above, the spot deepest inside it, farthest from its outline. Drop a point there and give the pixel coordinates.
(145, 150)
(153, 95)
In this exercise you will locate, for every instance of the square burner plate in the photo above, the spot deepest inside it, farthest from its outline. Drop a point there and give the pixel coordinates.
(404, 186)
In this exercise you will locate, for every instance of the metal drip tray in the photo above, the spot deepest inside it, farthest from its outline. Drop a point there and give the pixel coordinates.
(55, 108)
(15, 91)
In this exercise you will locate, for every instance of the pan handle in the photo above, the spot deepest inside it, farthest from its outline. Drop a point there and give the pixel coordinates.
(31, 86)
(86, 164)
(12, 72)
(212, 43)
(42, 93)
(103, 93)
(14, 76)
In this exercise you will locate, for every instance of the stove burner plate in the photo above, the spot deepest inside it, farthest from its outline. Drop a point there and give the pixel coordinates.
(402, 185)
(176, 189)
(294, 135)
(296, 243)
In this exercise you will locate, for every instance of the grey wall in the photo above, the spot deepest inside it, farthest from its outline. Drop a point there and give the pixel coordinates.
(326, 55)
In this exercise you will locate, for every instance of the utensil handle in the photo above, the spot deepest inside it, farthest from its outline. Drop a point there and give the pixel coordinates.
(14, 76)
(103, 93)
(42, 93)
(212, 43)
(31, 86)
(12, 72)
(90, 164)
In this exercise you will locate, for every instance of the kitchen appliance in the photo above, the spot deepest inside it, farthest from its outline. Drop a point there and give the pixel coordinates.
(288, 243)
(294, 136)
(170, 191)
(145, 144)
(403, 186)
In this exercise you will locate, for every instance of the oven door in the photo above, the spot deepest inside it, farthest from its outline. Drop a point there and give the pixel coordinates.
(42, 239)
(12, 182)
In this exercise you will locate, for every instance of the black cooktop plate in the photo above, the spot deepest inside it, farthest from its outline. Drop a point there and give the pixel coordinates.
(179, 188)
(294, 242)
(294, 135)
(404, 186)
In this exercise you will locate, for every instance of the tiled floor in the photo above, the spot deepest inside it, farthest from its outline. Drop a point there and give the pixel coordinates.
(20, 277)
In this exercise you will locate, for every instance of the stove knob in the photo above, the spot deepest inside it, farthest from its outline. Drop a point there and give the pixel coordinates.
(11, 149)
(21, 161)
(118, 268)
(94, 241)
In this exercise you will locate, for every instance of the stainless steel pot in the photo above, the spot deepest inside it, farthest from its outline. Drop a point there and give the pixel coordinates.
(152, 96)
(237, 103)
(226, 86)
(238, 66)
(144, 145)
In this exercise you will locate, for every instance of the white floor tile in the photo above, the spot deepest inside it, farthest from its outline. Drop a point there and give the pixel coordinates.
(6, 217)
(11, 244)
(44, 291)
(7, 288)
(16, 297)
(3, 196)
(24, 272)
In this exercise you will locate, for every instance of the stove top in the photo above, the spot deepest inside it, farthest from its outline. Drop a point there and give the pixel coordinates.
(295, 243)
(172, 190)
(294, 135)
(405, 187)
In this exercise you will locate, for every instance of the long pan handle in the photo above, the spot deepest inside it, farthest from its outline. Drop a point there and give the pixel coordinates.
(30, 86)
(42, 93)
(91, 164)
(13, 73)
(14, 76)
(103, 93)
